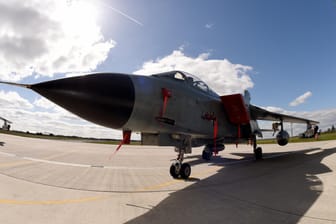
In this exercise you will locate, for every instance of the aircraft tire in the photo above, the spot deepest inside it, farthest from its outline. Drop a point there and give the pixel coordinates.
(173, 171)
(185, 171)
(258, 153)
(206, 155)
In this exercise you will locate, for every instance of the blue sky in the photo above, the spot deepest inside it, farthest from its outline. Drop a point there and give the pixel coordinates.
(290, 44)
(287, 48)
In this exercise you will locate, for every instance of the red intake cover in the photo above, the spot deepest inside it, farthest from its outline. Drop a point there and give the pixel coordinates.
(235, 107)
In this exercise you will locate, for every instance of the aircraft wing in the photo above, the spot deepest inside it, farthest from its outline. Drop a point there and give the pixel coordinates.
(258, 113)
(1, 118)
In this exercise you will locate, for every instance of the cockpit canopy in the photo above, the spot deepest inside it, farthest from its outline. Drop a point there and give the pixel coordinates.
(189, 79)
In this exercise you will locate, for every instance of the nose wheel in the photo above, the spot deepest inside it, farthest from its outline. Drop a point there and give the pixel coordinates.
(175, 169)
(180, 169)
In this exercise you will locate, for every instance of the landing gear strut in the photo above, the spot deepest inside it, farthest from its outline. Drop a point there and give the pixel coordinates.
(179, 169)
(257, 150)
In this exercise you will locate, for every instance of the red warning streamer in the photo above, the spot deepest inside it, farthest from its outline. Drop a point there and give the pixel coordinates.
(215, 124)
(166, 93)
(126, 140)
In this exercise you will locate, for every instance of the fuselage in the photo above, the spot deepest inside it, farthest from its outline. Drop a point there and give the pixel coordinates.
(166, 104)
(185, 109)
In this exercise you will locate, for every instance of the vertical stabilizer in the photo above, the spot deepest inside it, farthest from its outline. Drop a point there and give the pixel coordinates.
(247, 97)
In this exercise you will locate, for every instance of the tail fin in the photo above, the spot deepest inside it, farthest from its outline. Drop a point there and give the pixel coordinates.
(247, 97)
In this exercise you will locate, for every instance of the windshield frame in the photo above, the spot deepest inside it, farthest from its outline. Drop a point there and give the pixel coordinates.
(191, 80)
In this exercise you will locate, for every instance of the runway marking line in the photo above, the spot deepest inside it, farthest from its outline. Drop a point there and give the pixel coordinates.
(215, 168)
(162, 185)
(47, 160)
(90, 199)
(30, 160)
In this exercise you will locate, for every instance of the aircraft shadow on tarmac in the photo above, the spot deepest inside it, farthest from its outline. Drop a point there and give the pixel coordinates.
(217, 160)
(275, 190)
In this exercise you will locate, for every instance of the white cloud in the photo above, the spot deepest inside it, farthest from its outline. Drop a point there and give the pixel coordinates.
(301, 99)
(44, 103)
(221, 75)
(209, 25)
(13, 100)
(47, 37)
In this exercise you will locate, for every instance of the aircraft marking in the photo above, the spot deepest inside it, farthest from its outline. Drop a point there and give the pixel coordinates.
(29, 160)
(197, 175)
(46, 160)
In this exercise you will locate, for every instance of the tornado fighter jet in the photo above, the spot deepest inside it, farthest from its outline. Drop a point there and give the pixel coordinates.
(6, 124)
(168, 109)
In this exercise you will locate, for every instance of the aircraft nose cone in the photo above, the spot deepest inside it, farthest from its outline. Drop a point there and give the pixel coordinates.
(105, 99)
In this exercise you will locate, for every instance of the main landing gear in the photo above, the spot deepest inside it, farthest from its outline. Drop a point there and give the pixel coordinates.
(207, 154)
(179, 169)
(257, 150)
(210, 149)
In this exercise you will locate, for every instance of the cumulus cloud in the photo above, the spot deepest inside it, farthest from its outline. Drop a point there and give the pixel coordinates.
(221, 75)
(13, 100)
(44, 103)
(47, 37)
(301, 99)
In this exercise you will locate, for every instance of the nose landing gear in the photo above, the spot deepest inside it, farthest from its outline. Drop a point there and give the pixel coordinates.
(178, 168)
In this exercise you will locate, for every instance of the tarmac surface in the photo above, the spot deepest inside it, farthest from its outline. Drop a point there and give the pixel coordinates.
(48, 181)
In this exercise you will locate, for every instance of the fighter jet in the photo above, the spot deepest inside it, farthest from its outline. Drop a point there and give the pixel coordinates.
(6, 124)
(168, 109)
